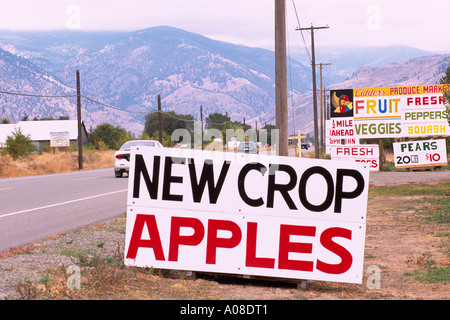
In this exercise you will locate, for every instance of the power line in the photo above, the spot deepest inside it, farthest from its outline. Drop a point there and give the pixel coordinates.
(30, 95)
(291, 83)
(300, 28)
(111, 107)
(37, 95)
(173, 117)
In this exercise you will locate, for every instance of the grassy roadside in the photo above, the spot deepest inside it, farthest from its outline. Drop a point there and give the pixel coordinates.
(57, 162)
(63, 161)
(430, 205)
(410, 190)
(407, 237)
(415, 262)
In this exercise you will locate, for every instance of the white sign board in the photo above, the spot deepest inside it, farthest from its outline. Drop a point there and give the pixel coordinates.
(420, 153)
(368, 154)
(390, 112)
(340, 132)
(59, 139)
(246, 214)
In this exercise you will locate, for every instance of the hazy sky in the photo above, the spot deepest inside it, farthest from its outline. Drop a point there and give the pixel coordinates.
(421, 24)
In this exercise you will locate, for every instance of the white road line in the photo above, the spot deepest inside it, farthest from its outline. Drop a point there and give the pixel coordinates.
(61, 203)
(88, 178)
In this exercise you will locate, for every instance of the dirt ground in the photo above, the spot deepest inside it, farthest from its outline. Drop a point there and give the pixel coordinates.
(382, 178)
(397, 243)
(400, 243)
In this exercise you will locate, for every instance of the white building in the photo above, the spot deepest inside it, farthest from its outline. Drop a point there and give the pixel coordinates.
(40, 131)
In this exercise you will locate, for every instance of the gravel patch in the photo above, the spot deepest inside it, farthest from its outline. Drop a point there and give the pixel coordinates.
(382, 178)
(29, 263)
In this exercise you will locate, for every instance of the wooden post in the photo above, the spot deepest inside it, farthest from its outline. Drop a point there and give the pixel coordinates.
(159, 119)
(80, 135)
(281, 115)
(201, 122)
(299, 138)
(313, 58)
(299, 144)
(226, 121)
(322, 123)
(226, 127)
(381, 156)
(316, 132)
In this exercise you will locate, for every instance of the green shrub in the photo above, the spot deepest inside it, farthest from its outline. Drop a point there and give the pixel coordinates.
(19, 145)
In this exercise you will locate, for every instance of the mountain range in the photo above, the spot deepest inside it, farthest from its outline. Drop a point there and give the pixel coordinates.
(122, 73)
(344, 60)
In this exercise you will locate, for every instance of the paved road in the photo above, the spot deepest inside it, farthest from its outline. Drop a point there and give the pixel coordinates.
(38, 206)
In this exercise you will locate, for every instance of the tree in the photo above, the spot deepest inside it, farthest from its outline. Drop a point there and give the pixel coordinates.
(112, 136)
(51, 118)
(19, 145)
(446, 77)
(223, 122)
(170, 122)
(446, 80)
(217, 120)
(239, 125)
(269, 128)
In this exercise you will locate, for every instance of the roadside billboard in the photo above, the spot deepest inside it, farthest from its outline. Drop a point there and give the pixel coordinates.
(59, 139)
(421, 153)
(246, 214)
(393, 112)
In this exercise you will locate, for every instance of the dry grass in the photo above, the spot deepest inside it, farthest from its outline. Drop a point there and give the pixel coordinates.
(402, 239)
(411, 252)
(54, 163)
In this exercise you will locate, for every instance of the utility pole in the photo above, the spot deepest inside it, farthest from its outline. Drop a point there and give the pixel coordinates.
(80, 135)
(226, 127)
(281, 114)
(226, 121)
(325, 115)
(313, 57)
(159, 119)
(322, 124)
(201, 122)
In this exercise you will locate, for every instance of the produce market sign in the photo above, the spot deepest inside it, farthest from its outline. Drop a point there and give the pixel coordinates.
(246, 214)
(391, 112)
(365, 153)
(420, 153)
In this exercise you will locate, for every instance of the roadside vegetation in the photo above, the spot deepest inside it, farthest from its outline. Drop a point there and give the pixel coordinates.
(431, 207)
(49, 162)
(19, 145)
(407, 237)
(21, 157)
